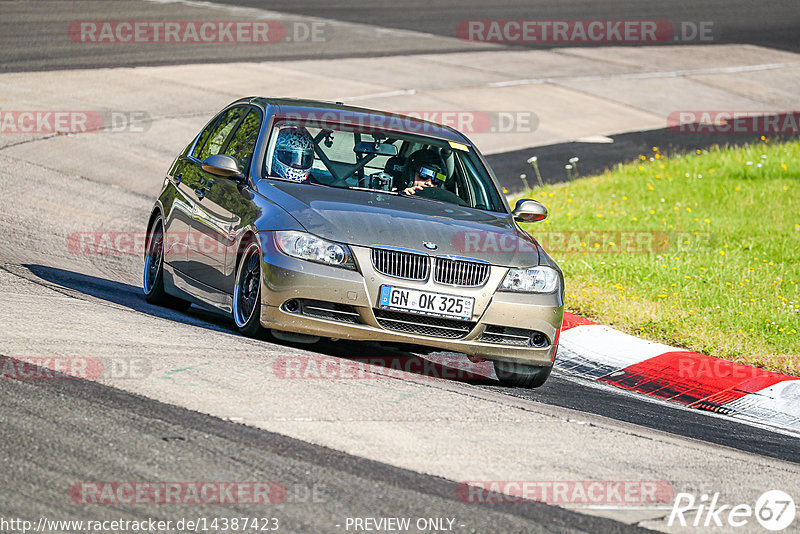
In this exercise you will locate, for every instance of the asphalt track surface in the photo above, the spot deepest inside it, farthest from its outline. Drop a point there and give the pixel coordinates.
(34, 35)
(560, 390)
(595, 158)
(55, 432)
(58, 432)
(771, 23)
(68, 430)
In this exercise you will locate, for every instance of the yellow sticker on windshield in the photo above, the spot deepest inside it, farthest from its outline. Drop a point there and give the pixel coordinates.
(459, 146)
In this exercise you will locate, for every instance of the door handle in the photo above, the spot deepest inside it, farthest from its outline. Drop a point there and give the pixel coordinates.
(201, 193)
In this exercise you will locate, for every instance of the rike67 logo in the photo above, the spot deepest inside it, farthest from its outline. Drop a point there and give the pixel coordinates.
(774, 510)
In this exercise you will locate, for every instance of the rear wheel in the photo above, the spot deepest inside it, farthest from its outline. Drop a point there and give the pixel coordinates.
(521, 375)
(153, 276)
(247, 293)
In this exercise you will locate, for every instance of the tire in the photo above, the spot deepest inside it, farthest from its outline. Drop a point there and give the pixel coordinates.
(521, 375)
(153, 275)
(247, 293)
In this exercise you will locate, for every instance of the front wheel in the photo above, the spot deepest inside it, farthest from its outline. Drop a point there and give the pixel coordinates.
(247, 293)
(153, 277)
(521, 375)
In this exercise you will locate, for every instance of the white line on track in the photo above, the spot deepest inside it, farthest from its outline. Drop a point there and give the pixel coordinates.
(647, 75)
(564, 79)
(385, 94)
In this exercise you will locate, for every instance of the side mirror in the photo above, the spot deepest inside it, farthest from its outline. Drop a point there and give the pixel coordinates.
(528, 210)
(222, 165)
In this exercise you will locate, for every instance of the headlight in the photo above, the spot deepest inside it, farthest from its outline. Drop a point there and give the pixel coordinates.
(312, 248)
(533, 280)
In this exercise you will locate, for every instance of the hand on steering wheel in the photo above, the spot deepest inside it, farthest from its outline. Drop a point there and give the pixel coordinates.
(414, 188)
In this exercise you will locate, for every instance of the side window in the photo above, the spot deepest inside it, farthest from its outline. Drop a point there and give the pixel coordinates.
(204, 137)
(244, 140)
(223, 128)
(342, 148)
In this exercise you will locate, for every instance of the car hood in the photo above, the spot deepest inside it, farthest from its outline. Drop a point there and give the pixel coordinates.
(372, 218)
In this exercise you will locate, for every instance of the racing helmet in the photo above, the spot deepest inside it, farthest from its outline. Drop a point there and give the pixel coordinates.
(294, 153)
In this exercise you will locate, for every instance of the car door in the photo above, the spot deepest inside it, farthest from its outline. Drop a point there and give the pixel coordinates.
(219, 201)
(233, 195)
(178, 222)
(205, 241)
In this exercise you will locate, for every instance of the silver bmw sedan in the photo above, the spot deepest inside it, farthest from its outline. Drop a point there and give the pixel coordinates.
(318, 220)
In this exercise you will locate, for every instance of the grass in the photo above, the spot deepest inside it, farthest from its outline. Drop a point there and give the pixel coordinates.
(699, 250)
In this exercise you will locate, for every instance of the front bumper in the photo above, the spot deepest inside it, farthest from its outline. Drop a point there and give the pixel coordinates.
(286, 278)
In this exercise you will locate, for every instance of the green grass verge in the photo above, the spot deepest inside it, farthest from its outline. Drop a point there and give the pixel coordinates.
(699, 250)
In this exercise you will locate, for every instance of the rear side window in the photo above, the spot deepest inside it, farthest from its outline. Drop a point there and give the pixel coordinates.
(244, 140)
(211, 143)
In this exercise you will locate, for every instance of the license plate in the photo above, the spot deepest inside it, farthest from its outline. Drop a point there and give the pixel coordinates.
(426, 303)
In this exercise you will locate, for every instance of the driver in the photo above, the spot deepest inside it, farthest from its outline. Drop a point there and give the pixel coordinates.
(294, 154)
(426, 170)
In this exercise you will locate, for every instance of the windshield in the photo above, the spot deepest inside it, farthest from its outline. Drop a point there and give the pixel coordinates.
(409, 165)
